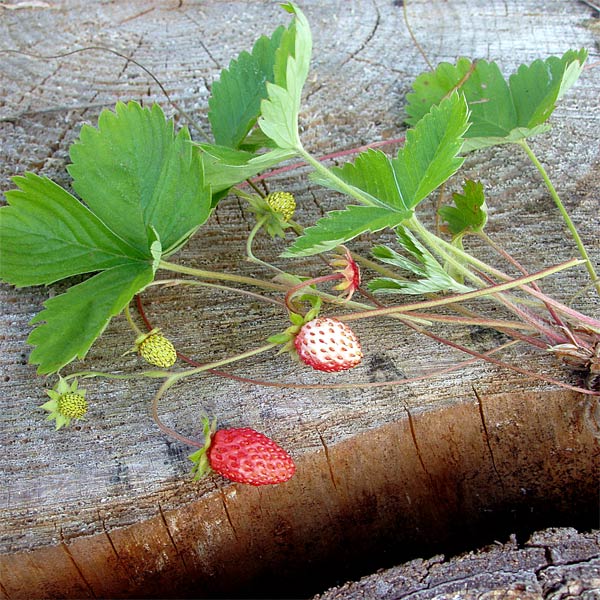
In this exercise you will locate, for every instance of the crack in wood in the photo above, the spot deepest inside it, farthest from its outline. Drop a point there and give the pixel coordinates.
(226, 509)
(65, 549)
(487, 437)
(413, 435)
(172, 539)
(4, 593)
(368, 39)
(327, 459)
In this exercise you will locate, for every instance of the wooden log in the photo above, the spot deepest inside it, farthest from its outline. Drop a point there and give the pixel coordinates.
(386, 474)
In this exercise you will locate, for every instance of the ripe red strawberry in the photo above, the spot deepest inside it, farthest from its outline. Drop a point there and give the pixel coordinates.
(243, 455)
(327, 344)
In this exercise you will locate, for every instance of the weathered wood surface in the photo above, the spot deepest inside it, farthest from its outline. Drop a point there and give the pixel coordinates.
(117, 470)
(552, 564)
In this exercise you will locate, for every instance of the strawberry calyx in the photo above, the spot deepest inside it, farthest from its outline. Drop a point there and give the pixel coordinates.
(67, 402)
(201, 466)
(286, 338)
(274, 211)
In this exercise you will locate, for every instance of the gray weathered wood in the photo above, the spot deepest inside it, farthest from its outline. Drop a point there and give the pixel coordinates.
(115, 469)
(559, 563)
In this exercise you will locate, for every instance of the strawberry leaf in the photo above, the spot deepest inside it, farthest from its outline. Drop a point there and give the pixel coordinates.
(469, 213)
(280, 110)
(391, 188)
(145, 195)
(428, 158)
(47, 235)
(234, 104)
(432, 277)
(76, 318)
(339, 226)
(372, 176)
(501, 112)
(134, 172)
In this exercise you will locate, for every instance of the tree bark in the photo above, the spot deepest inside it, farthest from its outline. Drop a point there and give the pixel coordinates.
(385, 474)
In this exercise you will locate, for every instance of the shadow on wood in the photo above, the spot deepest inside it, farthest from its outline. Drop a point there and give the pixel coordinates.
(439, 481)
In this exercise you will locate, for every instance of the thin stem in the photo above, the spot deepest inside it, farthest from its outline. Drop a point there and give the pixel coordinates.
(294, 290)
(174, 377)
(90, 374)
(216, 286)
(441, 248)
(339, 183)
(508, 257)
(267, 285)
(413, 37)
(250, 255)
(501, 363)
(494, 289)
(563, 211)
(131, 322)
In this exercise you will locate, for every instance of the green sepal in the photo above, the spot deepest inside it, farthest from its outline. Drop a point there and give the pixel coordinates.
(61, 388)
(201, 465)
(278, 338)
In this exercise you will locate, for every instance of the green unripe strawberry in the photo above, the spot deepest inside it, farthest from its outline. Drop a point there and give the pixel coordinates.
(156, 349)
(72, 405)
(282, 203)
(66, 402)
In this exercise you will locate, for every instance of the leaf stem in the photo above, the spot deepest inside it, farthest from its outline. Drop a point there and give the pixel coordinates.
(480, 293)
(131, 322)
(563, 211)
(340, 184)
(202, 274)
(250, 255)
(174, 377)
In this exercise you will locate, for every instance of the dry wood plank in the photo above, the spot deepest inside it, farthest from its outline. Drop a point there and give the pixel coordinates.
(98, 482)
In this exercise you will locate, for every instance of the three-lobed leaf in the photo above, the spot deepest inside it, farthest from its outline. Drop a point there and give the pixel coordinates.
(391, 188)
(144, 193)
(501, 111)
(135, 173)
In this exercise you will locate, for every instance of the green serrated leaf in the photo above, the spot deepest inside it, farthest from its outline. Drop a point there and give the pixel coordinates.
(47, 235)
(470, 211)
(280, 110)
(501, 111)
(234, 104)
(133, 171)
(337, 227)
(73, 320)
(372, 175)
(432, 277)
(430, 155)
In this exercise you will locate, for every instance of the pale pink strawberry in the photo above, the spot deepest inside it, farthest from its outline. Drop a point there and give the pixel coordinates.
(326, 344)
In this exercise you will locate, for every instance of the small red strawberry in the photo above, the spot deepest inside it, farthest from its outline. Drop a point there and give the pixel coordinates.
(326, 344)
(243, 455)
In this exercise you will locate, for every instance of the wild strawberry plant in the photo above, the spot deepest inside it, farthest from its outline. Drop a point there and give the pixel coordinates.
(143, 190)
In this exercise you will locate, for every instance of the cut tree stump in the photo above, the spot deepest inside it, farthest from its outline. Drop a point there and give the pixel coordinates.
(444, 465)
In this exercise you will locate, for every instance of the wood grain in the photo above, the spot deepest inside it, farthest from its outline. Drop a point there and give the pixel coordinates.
(112, 493)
